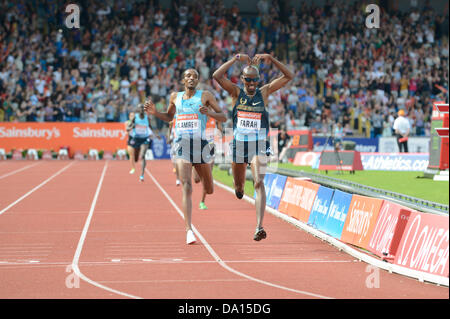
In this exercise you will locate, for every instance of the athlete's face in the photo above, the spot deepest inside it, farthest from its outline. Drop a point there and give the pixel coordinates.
(250, 78)
(141, 110)
(190, 79)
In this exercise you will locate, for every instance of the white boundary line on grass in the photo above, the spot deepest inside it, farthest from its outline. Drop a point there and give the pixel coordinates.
(220, 261)
(421, 276)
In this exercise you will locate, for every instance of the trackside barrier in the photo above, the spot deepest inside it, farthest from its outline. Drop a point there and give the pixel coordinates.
(321, 206)
(388, 231)
(337, 214)
(424, 244)
(274, 185)
(403, 241)
(361, 219)
(298, 198)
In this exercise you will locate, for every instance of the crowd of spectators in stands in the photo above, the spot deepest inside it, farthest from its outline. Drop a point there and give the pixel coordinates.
(125, 51)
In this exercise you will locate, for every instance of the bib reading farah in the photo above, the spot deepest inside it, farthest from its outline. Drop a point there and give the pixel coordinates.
(250, 117)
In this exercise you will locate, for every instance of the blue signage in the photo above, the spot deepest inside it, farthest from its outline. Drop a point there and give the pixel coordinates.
(362, 144)
(267, 181)
(337, 213)
(320, 207)
(276, 190)
(274, 185)
(160, 148)
(395, 161)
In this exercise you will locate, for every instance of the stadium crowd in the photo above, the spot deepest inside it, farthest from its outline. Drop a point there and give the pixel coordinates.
(127, 50)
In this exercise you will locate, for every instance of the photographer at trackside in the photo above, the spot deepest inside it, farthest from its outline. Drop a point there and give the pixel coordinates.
(402, 129)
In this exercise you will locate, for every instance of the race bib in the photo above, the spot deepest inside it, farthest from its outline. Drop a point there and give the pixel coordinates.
(187, 124)
(248, 122)
(141, 130)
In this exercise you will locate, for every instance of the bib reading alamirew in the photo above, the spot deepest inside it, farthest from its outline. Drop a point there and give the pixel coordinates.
(188, 124)
(189, 121)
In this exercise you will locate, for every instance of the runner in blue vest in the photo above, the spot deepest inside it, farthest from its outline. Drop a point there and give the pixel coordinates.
(251, 144)
(139, 139)
(191, 109)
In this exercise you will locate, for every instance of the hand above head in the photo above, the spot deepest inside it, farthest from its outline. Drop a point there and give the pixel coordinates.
(266, 58)
(243, 58)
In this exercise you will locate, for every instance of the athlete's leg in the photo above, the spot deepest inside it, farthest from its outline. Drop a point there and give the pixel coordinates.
(195, 175)
(197, 179)
(258, 166)
(211, 165)
(132, 156)
(175, 167)
(185, 171)
(142, 151)
(205, 174)
(239, 170)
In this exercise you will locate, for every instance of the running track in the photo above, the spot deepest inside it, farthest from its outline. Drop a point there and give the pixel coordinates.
(88, 229)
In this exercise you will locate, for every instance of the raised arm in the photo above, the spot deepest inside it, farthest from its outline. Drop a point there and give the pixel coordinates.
(225, 83)
(150, 108)
(278, 83)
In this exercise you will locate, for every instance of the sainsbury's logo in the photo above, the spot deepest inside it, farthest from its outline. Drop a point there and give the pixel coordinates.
(29, 132)
(99, 133)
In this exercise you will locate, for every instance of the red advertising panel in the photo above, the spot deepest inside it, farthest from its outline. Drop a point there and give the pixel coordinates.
(52, 136)
(298, 198)
(305, 158)
(361, 219)
(424, 245)
(388, 231)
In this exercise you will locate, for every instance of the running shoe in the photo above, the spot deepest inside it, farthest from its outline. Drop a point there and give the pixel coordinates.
(239, 195)
(202, 205)
(132, 171)
(178, 182)
(190, 238)
(141, 178)
(260, 234)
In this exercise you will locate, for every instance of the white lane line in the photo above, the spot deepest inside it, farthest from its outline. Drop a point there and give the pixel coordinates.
(220, 261)
(76, 257)
(172, 281)
(36, 188)
(18, 170)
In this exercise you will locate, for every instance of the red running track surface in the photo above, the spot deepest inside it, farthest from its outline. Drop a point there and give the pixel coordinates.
(89, 229)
